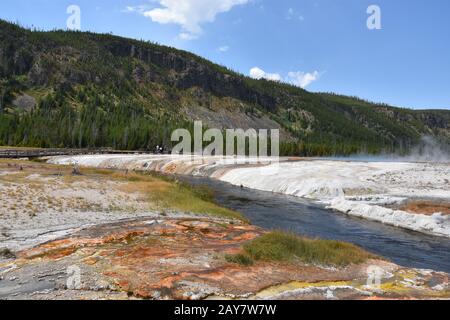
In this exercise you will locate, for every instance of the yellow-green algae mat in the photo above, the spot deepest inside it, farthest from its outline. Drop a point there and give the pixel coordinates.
(403, 284)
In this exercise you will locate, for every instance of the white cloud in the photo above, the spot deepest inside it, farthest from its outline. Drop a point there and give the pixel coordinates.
(296, 78)
(139, 9)
(257, 73)
(292, 14)
(224, 48)
(302, 79)
(189, 14)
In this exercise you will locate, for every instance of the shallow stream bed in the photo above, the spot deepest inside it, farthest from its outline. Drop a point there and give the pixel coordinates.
(276, 211)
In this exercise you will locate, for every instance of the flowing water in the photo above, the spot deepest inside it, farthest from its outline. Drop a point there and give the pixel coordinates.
(276, 211)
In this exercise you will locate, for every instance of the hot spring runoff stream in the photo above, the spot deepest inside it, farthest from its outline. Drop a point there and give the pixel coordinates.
(277, 211)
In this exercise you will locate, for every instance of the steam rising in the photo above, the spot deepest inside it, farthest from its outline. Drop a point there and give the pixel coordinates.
(429, 150)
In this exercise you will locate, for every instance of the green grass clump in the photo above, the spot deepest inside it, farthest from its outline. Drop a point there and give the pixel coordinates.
(183, 196)
(168, 193)
(288, 247)
(239, 258)
(195, 200)
(6, 253)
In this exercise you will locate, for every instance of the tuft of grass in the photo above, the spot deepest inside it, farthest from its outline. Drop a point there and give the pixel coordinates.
(288, 247)
(239, 258)
(171, 194)
(6, 253)
(192, 199)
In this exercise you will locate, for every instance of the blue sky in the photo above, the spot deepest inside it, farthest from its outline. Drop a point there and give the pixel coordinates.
(322, 45)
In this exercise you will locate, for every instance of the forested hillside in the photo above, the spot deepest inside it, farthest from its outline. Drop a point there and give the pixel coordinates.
(74, 89)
